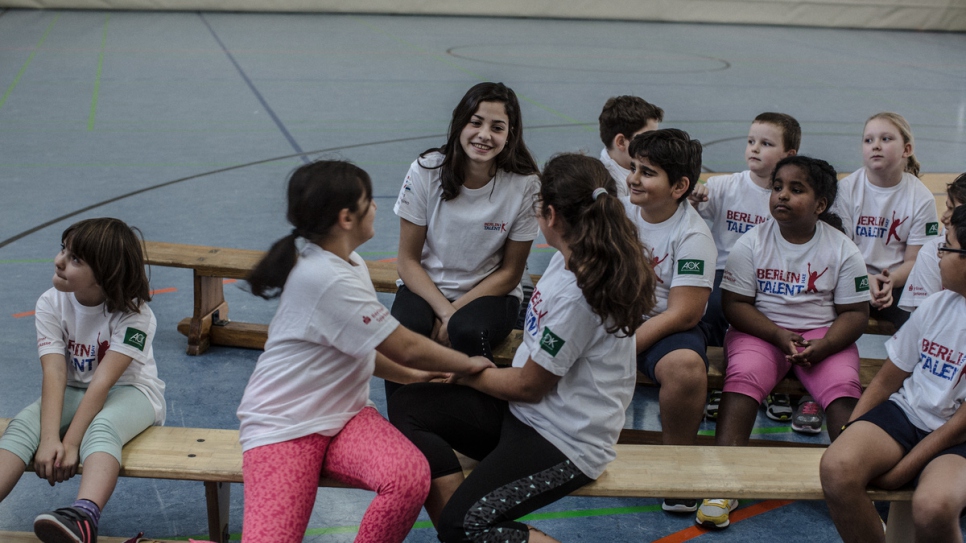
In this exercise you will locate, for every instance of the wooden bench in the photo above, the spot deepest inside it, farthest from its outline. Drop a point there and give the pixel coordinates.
(214, 458)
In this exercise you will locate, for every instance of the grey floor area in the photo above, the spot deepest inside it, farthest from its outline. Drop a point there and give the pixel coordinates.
(186, 125)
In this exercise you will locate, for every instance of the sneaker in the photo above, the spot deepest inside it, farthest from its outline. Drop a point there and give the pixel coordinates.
(714, 401)
(679, 506)
(778, 407)
(808, 417)
(714, 513)
(65, 525)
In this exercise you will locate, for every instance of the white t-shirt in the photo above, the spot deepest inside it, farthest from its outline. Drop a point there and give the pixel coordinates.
(735, 205)
(882, 221)
(465, 236)
(618, 172)
(583, 414)
(314, 374)
(797, 286)
(931, 345)
(681, 249)
(85, 334)
(924, 278)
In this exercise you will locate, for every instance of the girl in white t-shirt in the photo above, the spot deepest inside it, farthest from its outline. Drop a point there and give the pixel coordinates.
(466, 225)
(924, 279)
(796, 294)
(887, 211)
(909, 425)
(555, 415)
(306, 408)
(100, 382)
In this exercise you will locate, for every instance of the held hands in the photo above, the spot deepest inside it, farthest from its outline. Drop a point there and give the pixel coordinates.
(815, 350)
(475, 367)
(699, 194)
(441, 331)
(880, 286)
(55, 461)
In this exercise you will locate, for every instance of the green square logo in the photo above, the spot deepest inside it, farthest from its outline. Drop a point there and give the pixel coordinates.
(862, 283)
(551, 342)
(690, 267)
(932, 228)
(135, 338)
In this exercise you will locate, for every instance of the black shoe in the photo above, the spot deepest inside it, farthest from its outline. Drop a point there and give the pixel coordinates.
(65, 525)
(672, 505)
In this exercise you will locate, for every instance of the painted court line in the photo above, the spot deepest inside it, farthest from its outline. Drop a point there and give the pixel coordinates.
(737, 515)
(23, 68)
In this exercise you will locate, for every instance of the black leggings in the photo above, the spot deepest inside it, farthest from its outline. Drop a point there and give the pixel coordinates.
(519, 470)
(474, 329)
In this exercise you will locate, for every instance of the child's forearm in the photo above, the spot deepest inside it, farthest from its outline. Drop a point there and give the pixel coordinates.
(745, 317)
(886, 381)
(900, 274)
(848, 326)
(108, 371)
(52, 395)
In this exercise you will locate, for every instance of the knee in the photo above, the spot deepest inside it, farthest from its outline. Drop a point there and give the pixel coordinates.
(101, 436)
(931, 510)
(838, 473)
(450, 526)
(410, 482)
(684, 370)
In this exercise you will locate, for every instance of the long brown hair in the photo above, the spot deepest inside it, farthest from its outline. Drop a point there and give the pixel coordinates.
(113, 250)
(606, 254)
(514, 158)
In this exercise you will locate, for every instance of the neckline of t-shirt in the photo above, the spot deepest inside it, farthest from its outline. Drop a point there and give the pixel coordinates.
(876, 188)
(796, 246)
(665, 223)
(87, 309)
(747, 177)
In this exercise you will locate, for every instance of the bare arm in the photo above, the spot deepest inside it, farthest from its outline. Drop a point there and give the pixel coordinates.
(505, 278)
(953, 432)
(845, 330)
(397, 373)
(886, 381)
(411, 240)
(741, 312)
(685, 307)
(412, 350)
(901, 273)
(528, 384)
(51, 451)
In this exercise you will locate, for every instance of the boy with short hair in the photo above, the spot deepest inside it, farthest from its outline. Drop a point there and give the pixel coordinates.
(671, 343)
(622, 118)
(736, 203)
(909, 425)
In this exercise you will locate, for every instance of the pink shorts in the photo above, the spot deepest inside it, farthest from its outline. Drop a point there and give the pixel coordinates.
(755, 366)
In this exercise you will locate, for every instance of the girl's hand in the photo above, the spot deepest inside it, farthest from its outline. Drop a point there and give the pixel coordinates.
(787, 342)
(67, 467)
(441, 331)
(815, 350)
(478, 364)
(699, 194)
(48, 456)
(880, 287)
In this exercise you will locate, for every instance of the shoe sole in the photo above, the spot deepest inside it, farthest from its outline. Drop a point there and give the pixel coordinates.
(49, 530)
(778, 418)
(680, 508)
(711, 525)
(806, 430)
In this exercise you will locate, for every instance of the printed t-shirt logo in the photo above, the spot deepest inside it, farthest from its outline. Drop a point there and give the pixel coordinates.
(135, 338)
(494, 226)
(932, 228)
(862, 283)
(690, 267)
(551, 342)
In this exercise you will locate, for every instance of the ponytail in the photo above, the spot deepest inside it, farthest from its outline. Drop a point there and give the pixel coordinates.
(606, 254)
(317, 193)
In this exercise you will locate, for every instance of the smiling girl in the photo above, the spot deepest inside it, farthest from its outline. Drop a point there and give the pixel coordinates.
(466, 226)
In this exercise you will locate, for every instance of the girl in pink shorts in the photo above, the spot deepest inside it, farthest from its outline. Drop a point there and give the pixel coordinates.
(796, 292)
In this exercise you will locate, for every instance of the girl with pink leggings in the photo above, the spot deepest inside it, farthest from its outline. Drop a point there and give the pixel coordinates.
(306, 409)
(796, 292)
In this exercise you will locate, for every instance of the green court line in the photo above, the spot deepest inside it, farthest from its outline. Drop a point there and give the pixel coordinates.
(759, 431)
(97, 80)
(28, 261)
(23, 68)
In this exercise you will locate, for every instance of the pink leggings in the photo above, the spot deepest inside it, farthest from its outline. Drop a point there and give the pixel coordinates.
(281, 481)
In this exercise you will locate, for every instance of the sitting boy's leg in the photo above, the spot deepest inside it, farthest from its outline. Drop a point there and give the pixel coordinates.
(683, 376)
(940, 498)
(860, 454)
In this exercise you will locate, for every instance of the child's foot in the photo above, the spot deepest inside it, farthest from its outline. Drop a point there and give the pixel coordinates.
(714, 402)
(65, 525)
(672, 505)
(778, 407)
(715, 513)
(808, 417)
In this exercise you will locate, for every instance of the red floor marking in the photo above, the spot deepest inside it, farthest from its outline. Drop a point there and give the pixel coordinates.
(736, 516)
(163, 291)
(393, 259)
(22, 315)
(228, 281)
(542, 246)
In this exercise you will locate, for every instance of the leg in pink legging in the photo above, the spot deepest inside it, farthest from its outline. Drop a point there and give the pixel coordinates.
(281, 480)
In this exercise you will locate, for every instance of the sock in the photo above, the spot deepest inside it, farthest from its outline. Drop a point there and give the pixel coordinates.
(90, 508)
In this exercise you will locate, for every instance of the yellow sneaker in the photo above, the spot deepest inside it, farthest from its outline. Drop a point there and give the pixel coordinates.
(714, 513)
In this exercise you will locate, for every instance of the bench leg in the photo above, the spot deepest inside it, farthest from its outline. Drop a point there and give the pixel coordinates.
(217, 497)
(210, 307)
(900, 528)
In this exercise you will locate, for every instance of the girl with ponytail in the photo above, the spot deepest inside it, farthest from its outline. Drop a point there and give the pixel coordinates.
(555, 415)
(304, 411)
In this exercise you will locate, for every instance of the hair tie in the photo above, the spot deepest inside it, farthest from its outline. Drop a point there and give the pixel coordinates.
(598, 191)
(296, 234)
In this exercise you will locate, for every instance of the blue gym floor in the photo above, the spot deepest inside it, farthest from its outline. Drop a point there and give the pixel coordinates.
(186, 125)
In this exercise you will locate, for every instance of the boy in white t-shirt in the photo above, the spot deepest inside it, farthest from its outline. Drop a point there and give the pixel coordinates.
(622, 118)
(908, 425)
(671, 343)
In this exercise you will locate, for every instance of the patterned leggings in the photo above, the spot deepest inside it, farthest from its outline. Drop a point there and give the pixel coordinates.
(281, 481)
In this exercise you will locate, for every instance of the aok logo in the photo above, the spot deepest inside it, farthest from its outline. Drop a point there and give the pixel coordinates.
(551, 342)
(932, 229)
(691, 267)
(135, 338)
(862, 283)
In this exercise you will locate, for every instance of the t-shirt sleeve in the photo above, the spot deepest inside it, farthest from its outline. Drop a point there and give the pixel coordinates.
(566, 331)
(50, 334)
(925, 223)
(853, 281)
(923, 280)
(843, 208)
(739, 273)
(134, 335)
(411, 203)
(903, 347)
(525, 227)
(350, 318)
(695, 258)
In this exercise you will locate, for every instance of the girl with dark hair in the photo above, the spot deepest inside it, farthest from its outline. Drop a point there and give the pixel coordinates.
(555, 415)
(466, 226)
(306, 408)
(796, 294)
(100, 381)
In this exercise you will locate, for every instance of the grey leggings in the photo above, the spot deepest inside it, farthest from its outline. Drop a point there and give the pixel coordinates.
(126, 413)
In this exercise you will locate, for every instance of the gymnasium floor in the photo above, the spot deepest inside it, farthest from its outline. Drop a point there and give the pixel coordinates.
(186, 124)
